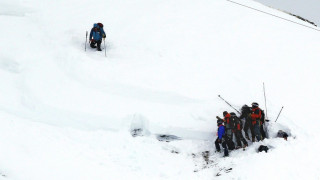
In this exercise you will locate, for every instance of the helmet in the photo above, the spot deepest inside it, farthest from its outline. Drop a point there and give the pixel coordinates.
(225, 113)
(233, 114)
(244, 107)
(100, 24)
(254, 104)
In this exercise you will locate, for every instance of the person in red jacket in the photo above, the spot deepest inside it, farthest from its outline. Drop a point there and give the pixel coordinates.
(238, 131)
(255, 118)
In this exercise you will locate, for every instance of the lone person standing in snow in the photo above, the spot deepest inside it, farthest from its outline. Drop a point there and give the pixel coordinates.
(96, 35)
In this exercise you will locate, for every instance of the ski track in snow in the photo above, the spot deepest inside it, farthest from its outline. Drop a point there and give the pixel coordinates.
(69, 114)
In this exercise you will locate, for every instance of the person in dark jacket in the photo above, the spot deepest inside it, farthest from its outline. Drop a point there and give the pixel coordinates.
(238, 131)
(245, 111)
(96, 35)
(255, 118)
(221, 138)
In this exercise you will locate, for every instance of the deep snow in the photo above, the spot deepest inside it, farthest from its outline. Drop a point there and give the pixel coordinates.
(67, 114)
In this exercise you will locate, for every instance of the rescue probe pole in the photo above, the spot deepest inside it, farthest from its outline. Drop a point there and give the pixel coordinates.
(265, 100)
(85, 44)
(279, 114)
(229, 104)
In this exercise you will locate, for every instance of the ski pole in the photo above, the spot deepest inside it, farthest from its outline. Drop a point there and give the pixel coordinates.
(279, 114)
(85, 45)
(105, 50)
(265, 101)
(229, 104)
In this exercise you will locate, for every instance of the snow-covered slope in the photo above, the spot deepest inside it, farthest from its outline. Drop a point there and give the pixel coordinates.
(66, 113)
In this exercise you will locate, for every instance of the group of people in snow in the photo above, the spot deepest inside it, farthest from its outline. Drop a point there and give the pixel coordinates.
(96, 35)
(231, 124)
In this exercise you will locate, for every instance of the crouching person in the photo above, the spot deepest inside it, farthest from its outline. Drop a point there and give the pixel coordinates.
(220, 139)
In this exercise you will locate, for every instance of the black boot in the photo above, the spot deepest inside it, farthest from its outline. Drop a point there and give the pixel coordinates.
(93, 44)
(217, 144)
(226, 152)
(225, 148)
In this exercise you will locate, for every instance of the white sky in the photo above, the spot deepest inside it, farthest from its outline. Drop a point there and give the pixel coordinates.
(308, 9)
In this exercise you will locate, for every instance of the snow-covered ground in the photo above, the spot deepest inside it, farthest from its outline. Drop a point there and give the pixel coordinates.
(67, 114)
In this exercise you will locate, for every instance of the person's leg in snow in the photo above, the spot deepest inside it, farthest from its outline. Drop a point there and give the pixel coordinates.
(263, 133)
(229, 134)
(225, 147)
(252, 132)
(239, 145)
(256, 128)
(240, 139)
(244, 142)
(247, 126)
(217, 143)
(99, 45)
(230, 143)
